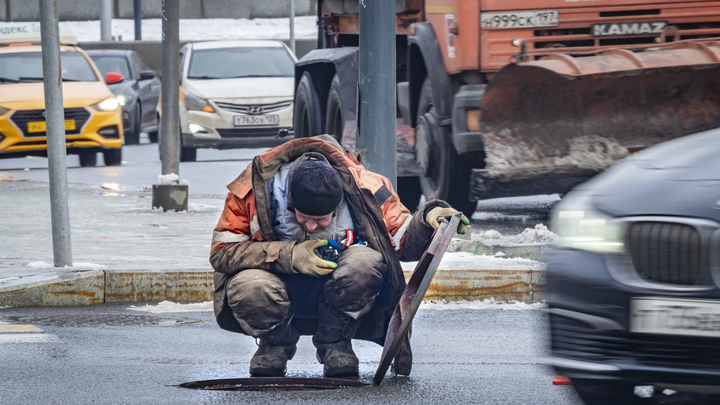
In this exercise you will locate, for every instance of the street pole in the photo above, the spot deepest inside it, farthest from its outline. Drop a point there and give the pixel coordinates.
(105, 20)
(292, 26)
(137, 8)
(55, 132)
(170, 196)
(376, 144)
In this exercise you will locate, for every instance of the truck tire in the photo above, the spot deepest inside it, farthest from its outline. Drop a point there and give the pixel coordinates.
(307, 117)
(445, 174)
(334, 121)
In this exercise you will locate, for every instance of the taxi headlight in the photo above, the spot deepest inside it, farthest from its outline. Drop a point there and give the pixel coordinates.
(109, 104)
(3, 111)
(122, 99)
(193, 102)
(580, 226)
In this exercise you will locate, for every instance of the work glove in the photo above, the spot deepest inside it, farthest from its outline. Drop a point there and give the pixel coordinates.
(306, 261)
(446, 212)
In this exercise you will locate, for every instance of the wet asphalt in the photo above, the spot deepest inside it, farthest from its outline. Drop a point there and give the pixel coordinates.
(107, 354)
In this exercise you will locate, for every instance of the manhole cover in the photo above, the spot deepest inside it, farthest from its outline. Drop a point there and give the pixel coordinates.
(273, 384)
(99, 320)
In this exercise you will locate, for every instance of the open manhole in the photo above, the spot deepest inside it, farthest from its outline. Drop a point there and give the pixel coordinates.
(273, 384)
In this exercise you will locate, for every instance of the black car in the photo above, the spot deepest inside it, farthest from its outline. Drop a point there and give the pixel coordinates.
(633, 285)
(138, 93)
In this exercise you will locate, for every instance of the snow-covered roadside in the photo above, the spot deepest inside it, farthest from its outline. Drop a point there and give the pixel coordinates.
(539, 234)
(199, 29)
(75, 266)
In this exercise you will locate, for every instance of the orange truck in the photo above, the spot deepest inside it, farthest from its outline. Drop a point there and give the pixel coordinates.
(519, 97)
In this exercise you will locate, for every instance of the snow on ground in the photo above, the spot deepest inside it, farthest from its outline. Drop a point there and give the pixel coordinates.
(8, 279)
(199, 29)
(75, 266)
(169, 306)
(468, 261)
(539, 234)
(484, 304)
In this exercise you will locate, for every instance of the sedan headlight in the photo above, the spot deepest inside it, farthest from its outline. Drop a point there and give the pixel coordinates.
(3, 111)
(109, 104)
(580, 226)
(122, 99)
(193, 102)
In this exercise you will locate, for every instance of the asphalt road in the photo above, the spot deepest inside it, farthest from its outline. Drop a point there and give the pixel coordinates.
(107, 354)
(214, 169)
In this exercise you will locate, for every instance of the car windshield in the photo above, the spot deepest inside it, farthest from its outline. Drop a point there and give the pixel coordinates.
(27, 67)
(225, 63)
(115, 64)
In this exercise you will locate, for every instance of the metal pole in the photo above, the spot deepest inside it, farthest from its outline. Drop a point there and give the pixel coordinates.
(137, 6)
(55, 130)
(170, 119)
(105, 20)
(292, 26)
(376, 142)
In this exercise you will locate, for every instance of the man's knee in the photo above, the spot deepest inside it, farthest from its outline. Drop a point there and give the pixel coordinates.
(259, 301)
(357, 279)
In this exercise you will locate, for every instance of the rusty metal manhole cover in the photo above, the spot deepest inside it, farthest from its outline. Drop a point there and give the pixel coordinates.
(100, 320)
(273, 384)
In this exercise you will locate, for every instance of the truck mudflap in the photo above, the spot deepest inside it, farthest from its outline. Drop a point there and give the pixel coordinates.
(565, 117)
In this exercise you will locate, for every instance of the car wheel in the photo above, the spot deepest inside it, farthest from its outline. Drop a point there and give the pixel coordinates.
(602, 392)
(88, 159)
(132, 136)
(334, 121)
(187, 154)
(153, 135)
(445, 174)
(307, 117)
(113, 157)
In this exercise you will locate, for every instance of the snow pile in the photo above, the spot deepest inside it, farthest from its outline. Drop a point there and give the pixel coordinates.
(8, 279)
(484, 304)
(75, 266)
(168, 179)
(539, 234)
(469, 261)
(199, 29)
(169, 306)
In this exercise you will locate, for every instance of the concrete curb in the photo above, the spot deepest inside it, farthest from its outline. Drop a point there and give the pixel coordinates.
(105, 286)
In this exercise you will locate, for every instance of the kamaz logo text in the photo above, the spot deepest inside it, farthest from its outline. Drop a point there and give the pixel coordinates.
(628, 29)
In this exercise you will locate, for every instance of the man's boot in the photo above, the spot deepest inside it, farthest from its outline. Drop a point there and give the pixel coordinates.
(275, 349)
(334, 348)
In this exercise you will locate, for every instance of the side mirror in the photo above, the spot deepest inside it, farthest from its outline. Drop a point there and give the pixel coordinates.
(147, 75)
(112, 77)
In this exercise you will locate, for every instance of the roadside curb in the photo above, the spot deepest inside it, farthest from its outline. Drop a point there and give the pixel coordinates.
(522, 283)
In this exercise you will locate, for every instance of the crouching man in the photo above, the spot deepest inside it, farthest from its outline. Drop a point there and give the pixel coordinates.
(310, 243)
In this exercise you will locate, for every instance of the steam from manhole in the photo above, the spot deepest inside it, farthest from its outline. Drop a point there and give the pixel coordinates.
(273, 384)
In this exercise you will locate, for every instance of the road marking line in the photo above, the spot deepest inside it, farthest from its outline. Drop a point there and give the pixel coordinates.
(19, 328)
(28, 338)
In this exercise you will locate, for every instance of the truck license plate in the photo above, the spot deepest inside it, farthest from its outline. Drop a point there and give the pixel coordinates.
(519, 19)
(41, 126)
(675, 317)
(251, 120)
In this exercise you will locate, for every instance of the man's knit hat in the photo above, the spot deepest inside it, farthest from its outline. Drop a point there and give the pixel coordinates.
(315, 188)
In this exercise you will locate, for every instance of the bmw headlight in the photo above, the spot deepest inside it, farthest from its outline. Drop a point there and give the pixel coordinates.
(109, 104)
(193, 102)
(581, 226)
(122, 99)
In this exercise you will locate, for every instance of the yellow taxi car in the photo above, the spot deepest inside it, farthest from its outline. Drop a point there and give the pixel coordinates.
(93, 120)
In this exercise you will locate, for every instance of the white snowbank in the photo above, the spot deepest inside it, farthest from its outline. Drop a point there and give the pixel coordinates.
(469, 261)
(539, 234)
(169, 306)
(199, 29)
(8, 279)
(75, 266)
(484, 304)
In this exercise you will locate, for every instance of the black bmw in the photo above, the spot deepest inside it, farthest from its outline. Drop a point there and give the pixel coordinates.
(633, 286)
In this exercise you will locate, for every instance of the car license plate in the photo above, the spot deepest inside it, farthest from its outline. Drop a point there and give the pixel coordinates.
(675, 317)
(628, 29)
(520, 19)
(41, 126)
(254, 120)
